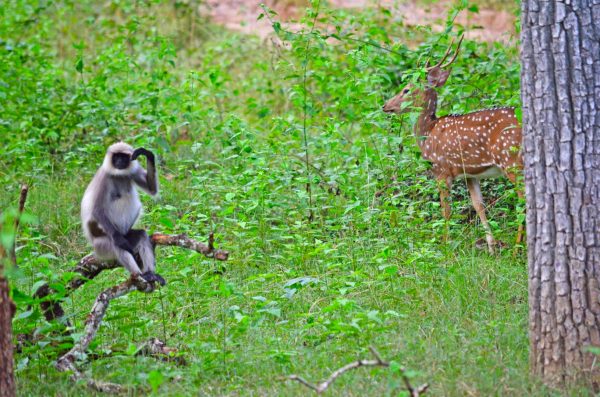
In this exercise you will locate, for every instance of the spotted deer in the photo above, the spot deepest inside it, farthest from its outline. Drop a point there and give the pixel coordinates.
(482, 144)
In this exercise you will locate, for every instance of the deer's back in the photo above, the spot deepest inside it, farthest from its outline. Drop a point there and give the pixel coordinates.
(474, 142)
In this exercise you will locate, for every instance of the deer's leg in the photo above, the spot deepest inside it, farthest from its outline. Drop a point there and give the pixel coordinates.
(477, 199)
(444, 186)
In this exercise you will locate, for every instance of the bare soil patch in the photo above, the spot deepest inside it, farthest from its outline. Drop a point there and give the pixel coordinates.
(241, 16)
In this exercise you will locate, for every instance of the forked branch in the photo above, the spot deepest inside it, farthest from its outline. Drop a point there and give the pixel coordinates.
(67, 361)
(89, 267)
(377, 362)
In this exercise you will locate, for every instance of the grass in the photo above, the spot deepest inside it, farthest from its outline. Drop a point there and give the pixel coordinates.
(225, 112)
(452, 315)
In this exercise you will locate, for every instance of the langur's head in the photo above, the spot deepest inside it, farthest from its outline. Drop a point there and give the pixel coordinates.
(118, 159)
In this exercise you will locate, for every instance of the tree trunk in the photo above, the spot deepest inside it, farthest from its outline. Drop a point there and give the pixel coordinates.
(560, 82)
(7, 378)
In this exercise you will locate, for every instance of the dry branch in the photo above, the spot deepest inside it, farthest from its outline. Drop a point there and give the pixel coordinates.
(378, 362)
(67, 361)
(89, 267)
(181, 240)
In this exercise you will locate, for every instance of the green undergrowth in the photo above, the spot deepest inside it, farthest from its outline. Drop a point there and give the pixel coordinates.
(316, 275)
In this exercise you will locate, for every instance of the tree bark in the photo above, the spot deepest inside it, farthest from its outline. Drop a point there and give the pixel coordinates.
(560, 82)
(7, 375)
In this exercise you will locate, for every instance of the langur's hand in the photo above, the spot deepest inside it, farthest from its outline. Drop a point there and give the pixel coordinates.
(121, 242)
(142, 152)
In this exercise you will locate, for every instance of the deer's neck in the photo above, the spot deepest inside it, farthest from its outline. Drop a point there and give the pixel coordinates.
(427, 117)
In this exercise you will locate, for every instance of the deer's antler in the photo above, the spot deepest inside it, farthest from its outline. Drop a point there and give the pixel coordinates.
(439, 64)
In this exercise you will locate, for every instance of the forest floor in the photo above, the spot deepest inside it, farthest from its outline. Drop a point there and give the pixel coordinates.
(333, 223)
(241, 15)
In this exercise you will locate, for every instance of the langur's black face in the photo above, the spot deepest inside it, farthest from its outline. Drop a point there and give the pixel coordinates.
(121, 160)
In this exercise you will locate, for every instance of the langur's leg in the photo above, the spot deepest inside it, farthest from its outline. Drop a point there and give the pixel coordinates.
(105, 249)
(142, 245)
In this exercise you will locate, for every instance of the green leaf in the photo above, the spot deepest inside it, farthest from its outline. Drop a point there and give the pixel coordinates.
(155, 379)
(272, 310)
(131, 349)
(395, 367)
(277, 27)
(23, 315)
(79, 65)
(167, 222)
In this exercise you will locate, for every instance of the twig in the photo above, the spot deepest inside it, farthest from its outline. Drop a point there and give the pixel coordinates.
(22, 199)
(378, 362)
(183, 241)
(332, 188)
(157, 348)
(305, 383)
(305, 112)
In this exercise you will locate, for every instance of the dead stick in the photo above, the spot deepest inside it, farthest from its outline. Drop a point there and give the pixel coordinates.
(378, 362)
(22, 199)
(67, 361)
(89, 267)
(93, 322)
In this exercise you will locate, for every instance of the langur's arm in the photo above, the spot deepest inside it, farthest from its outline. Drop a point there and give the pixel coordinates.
(147, 180)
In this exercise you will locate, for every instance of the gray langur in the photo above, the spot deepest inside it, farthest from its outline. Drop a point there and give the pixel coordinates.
(111, 206)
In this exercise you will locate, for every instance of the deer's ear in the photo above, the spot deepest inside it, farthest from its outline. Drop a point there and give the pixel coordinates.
(437, 77)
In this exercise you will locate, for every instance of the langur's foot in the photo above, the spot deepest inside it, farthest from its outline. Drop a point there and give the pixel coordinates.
(152, 277)
(142, 285)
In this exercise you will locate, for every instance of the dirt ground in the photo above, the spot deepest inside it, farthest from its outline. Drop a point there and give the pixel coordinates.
(241, 16)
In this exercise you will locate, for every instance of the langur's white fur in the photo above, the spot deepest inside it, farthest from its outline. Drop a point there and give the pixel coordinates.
(111, 206)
